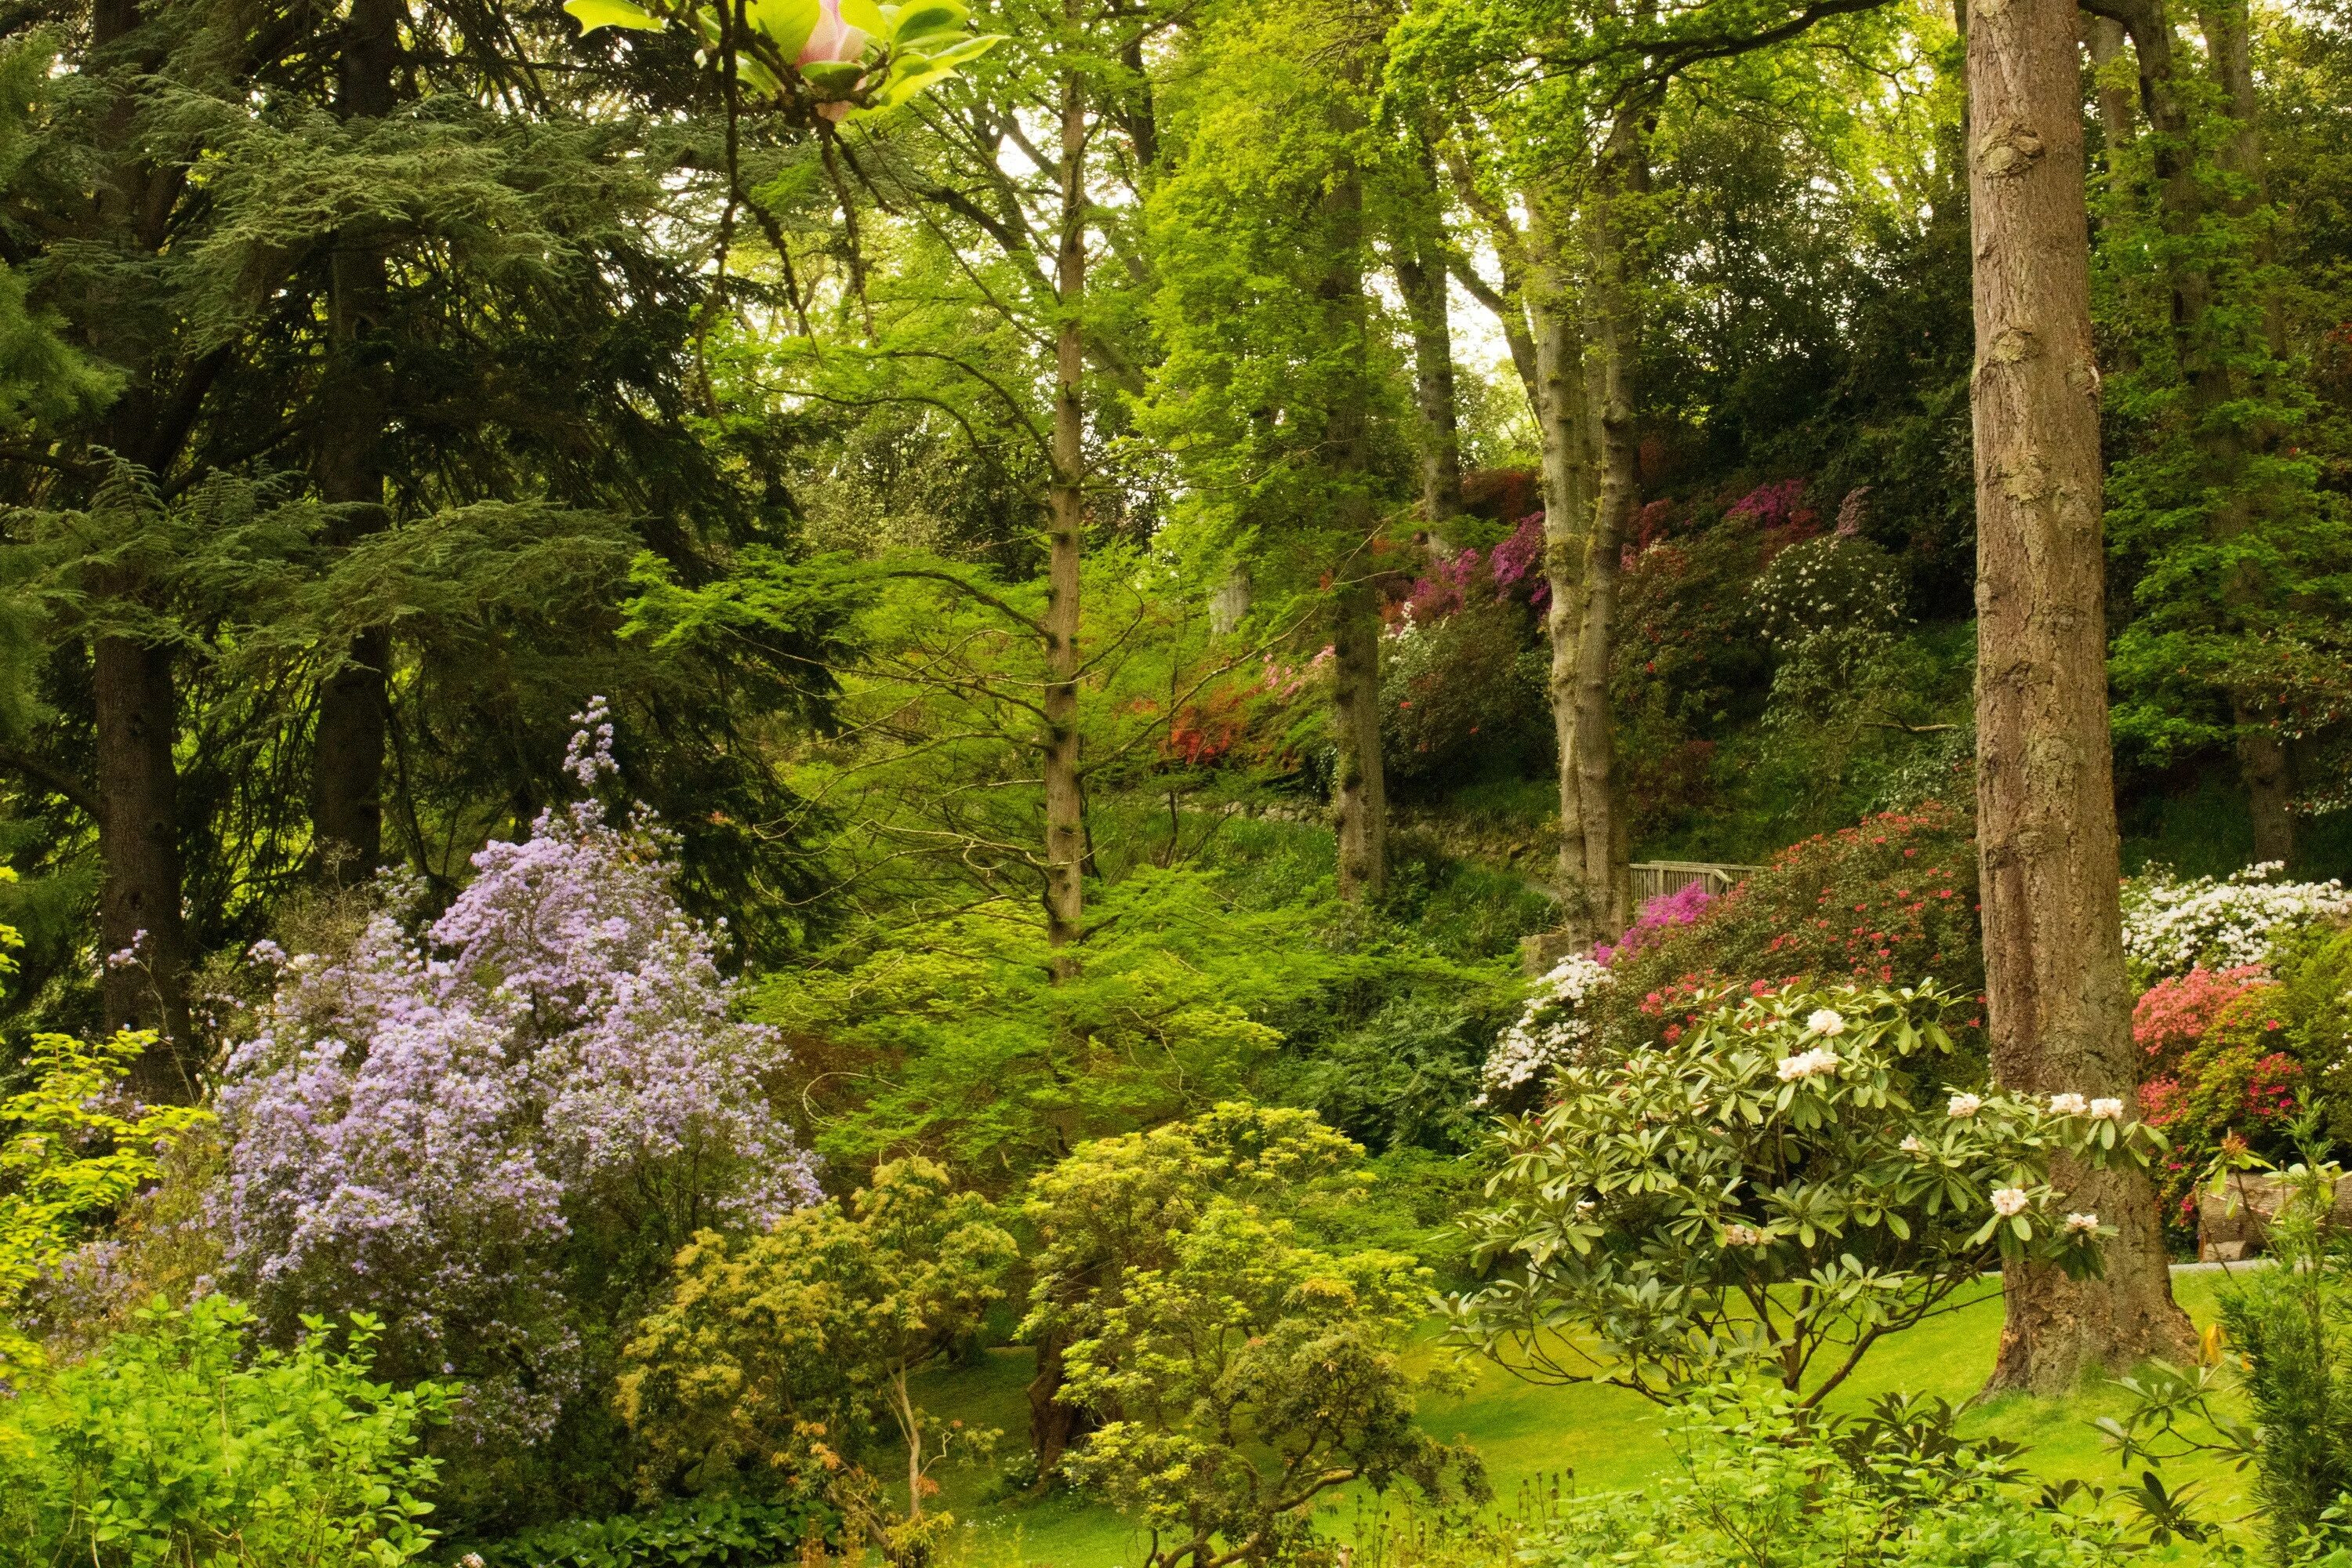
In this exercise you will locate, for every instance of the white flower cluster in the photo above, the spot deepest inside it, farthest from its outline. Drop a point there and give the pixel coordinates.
(1745, 1235)
(1832, 584)
(1550, 1027)
(2007, 1202)
(2172, 926)
(1808, 1064)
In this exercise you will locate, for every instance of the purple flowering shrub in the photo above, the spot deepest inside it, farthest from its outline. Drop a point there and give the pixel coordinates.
(496, 1132)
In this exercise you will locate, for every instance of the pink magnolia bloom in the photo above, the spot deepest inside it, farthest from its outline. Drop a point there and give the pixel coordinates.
(831, 39)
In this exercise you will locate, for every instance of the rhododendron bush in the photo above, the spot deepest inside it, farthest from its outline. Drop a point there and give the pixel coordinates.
(1795, 1176)
(495, 1132)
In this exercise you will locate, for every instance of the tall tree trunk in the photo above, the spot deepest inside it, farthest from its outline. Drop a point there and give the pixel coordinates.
(2058, 1005)
(139, 918)
(354, 702)
(1617, 333)
(1562, 389)
(1064, 802)
(1420, 278)
(135, 717)
(2104, 37)
(1362, 787)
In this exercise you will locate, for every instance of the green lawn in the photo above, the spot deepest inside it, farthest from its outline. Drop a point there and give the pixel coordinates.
(1532, 1436)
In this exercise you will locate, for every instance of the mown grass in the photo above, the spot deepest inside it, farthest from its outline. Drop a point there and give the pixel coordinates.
(1533, 1438)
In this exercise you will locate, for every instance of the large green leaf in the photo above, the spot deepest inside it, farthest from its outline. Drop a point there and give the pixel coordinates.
(788, 22)
(866, 13)
(593, 14)
(925, 18)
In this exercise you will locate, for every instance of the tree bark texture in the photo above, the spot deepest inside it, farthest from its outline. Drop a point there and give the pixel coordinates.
(140, 926)
(1562, 390)
(1362, 787)
(1065, 803)
(355, 700)
(1420, 275)
(135, 708)
(1617, 340)
(2058, 1005)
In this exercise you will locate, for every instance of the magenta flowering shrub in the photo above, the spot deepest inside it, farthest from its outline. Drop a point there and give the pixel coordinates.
(1659, 915)
(495, 1133)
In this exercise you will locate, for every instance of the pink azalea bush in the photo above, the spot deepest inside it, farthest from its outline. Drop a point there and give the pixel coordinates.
(491, 1131)
(1684, 906)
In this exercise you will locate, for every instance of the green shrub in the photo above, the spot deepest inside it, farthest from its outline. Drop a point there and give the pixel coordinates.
(1464, 696)
(696, 1532)
(179, 1444)
(1783, 1183)
(1759, 1481)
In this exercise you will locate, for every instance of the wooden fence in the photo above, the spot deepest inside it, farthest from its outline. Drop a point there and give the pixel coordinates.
(1654, 877)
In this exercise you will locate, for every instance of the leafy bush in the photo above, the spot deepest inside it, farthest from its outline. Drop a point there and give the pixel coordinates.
(181, 1443)
(785, 1356)
(1463, 695)
(1246, 1370)
(1762, 1481)
(723, 1532)
(2171, 926)
(2234, 1085)
(2287, 1333)
(1404, 1079)
(1834, 583)
(74, 1153)
(1643, 1225)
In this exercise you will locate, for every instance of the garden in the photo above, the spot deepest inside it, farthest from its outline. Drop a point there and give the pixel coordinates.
(1175, 784)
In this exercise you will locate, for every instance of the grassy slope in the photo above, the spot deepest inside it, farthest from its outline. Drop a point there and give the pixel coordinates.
(1530, 1436)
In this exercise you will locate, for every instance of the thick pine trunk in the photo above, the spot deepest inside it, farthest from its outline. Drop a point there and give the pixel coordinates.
(354, 702)
(140, 926)
(1064, 804)
(2058, 1005)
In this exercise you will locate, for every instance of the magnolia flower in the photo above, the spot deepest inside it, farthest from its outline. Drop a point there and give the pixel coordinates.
(2008, 1201)
(1808, 1064)
(2108, 1109)
(2069, 1104)
(1964, 1105)
(832, 40)
(1826, 1021)
(1911, 1144)
(2082, 1224)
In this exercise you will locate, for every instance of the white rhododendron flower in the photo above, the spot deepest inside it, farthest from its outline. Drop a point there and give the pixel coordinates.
(2008, 1201)
(2170, 927)
(1808, 1064)
(1826, 1021)
(1743, 1236)
(1964, 1105)
(2108, 1109)
(2082, 1224)
(1911, 1144)
(2069, 1104)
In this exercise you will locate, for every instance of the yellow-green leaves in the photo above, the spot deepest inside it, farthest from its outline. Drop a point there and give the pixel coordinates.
(593, 14)
(816, 60)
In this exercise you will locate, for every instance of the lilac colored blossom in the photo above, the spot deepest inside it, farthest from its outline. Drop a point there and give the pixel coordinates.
(433, 1126)
(1659, 915)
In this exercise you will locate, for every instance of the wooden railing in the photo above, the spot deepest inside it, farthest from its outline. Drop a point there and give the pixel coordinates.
(1652, 877)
